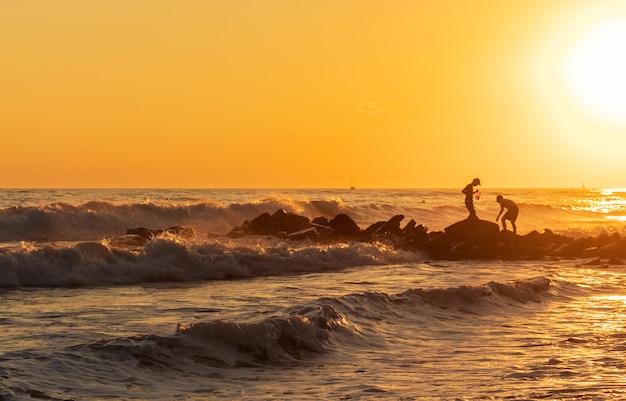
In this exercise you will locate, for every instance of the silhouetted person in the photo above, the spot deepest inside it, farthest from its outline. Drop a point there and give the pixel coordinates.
(511, 212)
(469, 197)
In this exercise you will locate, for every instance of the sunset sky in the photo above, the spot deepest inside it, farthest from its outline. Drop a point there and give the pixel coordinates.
(325, 93)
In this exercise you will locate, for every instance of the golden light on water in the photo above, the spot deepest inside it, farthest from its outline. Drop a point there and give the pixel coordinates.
(621, 298)
(604, 314)
(610, 311)
(611, 191)
(608, 201)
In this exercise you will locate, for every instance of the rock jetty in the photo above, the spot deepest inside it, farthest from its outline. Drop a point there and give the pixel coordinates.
(465, 239)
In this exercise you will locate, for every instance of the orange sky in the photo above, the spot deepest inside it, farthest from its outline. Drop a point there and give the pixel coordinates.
(284, 93)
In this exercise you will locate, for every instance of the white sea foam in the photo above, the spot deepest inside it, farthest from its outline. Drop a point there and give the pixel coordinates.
(166, 260)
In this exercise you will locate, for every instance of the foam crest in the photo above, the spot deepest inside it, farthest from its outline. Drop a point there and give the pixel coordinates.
(278, 340)
(326, 325)
(174, 260)
(96, 219)
(491, 294)
(419, 303)
(275, 339)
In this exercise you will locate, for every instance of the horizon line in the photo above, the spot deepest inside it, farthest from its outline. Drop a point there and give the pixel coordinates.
(295, 188)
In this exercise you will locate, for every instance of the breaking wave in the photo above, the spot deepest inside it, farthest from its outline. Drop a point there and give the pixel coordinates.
(171, 260)
(303, 332)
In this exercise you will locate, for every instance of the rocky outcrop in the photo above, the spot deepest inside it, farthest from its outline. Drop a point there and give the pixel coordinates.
(140, 236)
(147, 233)
(466, 239)
(280, 224)
(343, 226)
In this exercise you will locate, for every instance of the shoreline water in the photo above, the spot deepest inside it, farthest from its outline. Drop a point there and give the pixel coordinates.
(261, 317)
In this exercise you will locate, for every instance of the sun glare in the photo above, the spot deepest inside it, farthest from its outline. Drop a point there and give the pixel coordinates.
(595, 70)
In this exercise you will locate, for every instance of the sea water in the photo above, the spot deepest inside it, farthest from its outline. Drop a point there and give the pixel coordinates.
(210, 317)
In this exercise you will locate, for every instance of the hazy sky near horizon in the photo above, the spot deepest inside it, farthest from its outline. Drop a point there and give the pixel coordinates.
(325, 93)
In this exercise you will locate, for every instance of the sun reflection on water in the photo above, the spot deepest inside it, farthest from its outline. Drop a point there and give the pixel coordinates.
(610, 202)
(605, 316)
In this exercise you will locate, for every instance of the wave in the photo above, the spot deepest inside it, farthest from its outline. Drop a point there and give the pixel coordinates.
(174, 260)
(78, 242)
(302, 332)
(96, 220)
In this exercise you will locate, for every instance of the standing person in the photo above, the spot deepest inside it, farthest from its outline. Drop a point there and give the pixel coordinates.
(511, 212)
(469, 197)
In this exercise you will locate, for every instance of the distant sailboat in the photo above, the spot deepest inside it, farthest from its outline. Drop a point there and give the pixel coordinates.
(352, 184)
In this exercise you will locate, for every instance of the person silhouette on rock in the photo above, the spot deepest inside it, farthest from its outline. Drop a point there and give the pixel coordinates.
(511, 212)
(469, 197)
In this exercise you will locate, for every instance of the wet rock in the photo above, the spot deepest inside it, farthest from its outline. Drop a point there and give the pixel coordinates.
(308, 233)
(141, 235)
(143, 232)
(280, 223)
(465, 229)
(320, 221)
(465, 239)
(392, 226)
(181, 231)
(615, 249)
(384, 229)
(574, 248)
(260, 225)
(129, 240)
(344, 227)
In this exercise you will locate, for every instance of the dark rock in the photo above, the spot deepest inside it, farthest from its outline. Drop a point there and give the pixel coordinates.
(409, 226)
(464, 229)
(417, 232)
(437, 246)
(343, 226)
(384, 230)
(129, 240)
(370, 231)
(260, 225)
(602, 240)
(140, 236)
(466, 239)
(615, 249)
(321, 221)
(535, 245)
(392, 226)
(414, 238)
(307, 233)
(574, 248)
(147, 233)
(594, 262)
(291, 222)
(143, 232)
(279, 222)
(184, 232)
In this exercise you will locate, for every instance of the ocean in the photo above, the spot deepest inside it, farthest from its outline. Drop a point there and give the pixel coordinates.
(87, 315)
